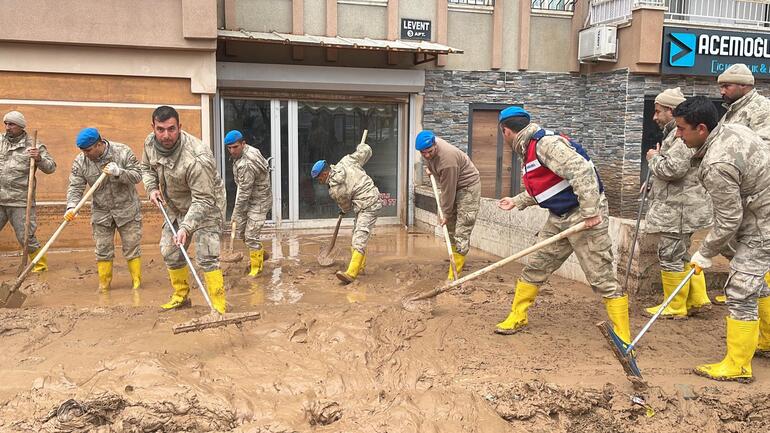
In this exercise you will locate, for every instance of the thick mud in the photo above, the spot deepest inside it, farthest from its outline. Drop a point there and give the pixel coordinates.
(326, 357)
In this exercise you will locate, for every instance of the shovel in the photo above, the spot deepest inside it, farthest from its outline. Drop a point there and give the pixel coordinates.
(28, 212)
(412, 303)
(10, 296)
(452, 263)
(215, 319)
(325, 258)
(232, 257)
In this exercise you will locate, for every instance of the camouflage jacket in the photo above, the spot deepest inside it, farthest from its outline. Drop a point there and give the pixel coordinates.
(752, 110)
(678, 202)
(555, 153)
(189, 181)
(350, 186)
(252, 175)
(117, 198)
(14, 169)
(735, 170)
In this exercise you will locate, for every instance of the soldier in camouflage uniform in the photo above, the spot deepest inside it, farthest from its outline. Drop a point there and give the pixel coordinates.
(15, 151)
(352, 189)
(735, 170)
(460, 186)
(114, 205)
(179, 171)
(559, 176)
(253, 201)
(679, 206)
(745, 106)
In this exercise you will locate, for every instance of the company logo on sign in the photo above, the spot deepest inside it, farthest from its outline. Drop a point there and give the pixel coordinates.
(681, 52)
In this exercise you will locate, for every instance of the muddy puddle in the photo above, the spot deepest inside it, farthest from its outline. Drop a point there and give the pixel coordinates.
(331, 358)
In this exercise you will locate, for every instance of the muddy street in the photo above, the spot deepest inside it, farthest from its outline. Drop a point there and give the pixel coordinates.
(329, 357)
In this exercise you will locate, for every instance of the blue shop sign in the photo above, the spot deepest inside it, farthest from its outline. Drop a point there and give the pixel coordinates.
(688, 51)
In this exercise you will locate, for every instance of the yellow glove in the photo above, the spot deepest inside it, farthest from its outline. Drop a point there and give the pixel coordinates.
(70, 214)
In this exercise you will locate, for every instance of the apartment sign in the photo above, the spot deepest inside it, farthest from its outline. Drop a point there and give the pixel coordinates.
(688, 51)
(415, 29)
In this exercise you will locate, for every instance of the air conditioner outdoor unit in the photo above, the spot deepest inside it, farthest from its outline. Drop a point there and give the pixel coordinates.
(598, 43)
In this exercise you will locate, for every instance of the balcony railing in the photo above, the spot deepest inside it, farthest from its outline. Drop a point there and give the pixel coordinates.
(732, 13)
(554, 5)
(617, 11)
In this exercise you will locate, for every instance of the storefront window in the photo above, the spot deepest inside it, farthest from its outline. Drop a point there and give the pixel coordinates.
(331, 130)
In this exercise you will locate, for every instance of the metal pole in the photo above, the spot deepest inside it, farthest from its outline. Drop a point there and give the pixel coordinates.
(636, 230)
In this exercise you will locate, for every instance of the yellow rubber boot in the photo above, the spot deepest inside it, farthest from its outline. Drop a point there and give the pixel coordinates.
(459, 262)
(720, 299)
(677, 309)
(698, 300)
(363, 265)
(763, 345)
(181, 287)
(135, 269)
(517, 318)
(354, 267)
(104, 269)
(215, 285)
(617, 311)
(742, 337)
(41, 265)
(257, 261)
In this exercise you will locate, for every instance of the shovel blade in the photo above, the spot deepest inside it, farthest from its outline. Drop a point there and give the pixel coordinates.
(231, 257)
(11, 297)
(216, 320)
(628, 361)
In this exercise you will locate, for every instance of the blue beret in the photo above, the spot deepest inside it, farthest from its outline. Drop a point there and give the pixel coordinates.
(513, 112)
(87, 137)
(318, 167)
(232, 137)
(424, 140)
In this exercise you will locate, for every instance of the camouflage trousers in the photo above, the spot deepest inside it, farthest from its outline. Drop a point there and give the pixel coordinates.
(746, 282)
(250, 233)
(363, 225)
(130, 239)
(673, 251)
(207, 247)
(593, 248)
(17, 215)
(460, 225)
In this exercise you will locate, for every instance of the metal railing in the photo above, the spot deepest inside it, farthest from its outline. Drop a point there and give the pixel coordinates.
(618, 11)
(554, 5)
(719, 12)
(473, 2)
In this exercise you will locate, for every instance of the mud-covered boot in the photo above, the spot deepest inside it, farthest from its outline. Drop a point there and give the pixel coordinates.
(135, 269)
(181, 287)
(104, 269)
(42, 264)
(459, 262)
(617, 311)
(677, 308)
(763, 345)
(720, 299)
(354, 267)
(257, 258)
(742, 337)
(215, 285)
(517, 319)
(698, 300)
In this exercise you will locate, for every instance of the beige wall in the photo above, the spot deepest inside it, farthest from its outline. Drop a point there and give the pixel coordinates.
(418, 9)
(510, 36)
(264, 15)
(361, 21)
(549, 43)
(135, 23)
(471, 32)
(315, 17)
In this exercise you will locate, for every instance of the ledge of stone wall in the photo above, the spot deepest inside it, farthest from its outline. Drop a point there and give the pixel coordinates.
(505, 233)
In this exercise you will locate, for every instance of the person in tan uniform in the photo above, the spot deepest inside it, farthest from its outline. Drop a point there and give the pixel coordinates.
(679, 206)
(180, 173)
(460, 191)
(734, 168)
(745, 106)
(251, 173)
(16, 148)
(559, 176)
(114, 206)
(353, 190)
